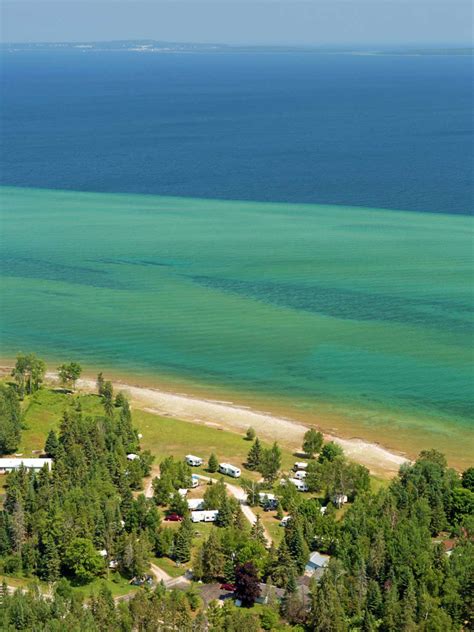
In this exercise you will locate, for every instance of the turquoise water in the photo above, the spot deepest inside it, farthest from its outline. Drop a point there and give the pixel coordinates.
(362, 313)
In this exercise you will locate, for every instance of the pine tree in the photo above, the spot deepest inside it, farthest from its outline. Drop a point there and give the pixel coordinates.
(296, 544)
(183, 540)
(100, 383)
(52, 444)
(257, 532)
(51, 562)
(212, 558)
(213, 463)
(225, 516)
(255, 455)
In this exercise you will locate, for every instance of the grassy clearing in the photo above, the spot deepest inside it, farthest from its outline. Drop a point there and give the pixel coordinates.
(164, 436)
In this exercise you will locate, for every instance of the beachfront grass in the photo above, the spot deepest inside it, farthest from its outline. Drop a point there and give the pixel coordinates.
(163, 436)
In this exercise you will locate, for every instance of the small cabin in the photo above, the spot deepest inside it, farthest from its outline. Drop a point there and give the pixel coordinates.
(193, 461)
(230, 470)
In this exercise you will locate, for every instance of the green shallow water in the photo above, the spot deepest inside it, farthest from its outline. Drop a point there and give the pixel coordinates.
(363, 313)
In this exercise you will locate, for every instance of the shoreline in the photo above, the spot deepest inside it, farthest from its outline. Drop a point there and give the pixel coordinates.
(236, 418)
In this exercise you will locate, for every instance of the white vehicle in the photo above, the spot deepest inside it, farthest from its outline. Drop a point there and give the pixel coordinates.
(300, 485)
(300, 474)
(284, 521)
(194, 481)
(204, 516)
(194, 461)
(300, 465)
(195, 503)
(183, 492)
(265, 496)
(230, 470)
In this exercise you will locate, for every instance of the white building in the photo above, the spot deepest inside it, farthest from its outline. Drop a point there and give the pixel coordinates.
(230, 470)
(195, 503)
(316, 560)
(209, 515)
(10, 464)
(194, 461)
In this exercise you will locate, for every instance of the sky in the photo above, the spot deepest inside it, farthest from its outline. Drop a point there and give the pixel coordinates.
(304, 22)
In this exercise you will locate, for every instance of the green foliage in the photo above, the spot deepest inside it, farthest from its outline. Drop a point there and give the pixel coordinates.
(270, 463)
(213, 463)
(330, 451)
(468, 479)
(254, 456)
(312, 442)
(10, 420)
(250, 434)
(183, 540)
(69, 374)
(28, 374)
(51, 446)
(82, 561)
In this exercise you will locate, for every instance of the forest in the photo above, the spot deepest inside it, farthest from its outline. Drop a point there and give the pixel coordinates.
(401, 558)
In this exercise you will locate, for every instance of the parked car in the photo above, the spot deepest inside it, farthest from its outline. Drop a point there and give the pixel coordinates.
(173, 518)
(141, 581)
(229, 587)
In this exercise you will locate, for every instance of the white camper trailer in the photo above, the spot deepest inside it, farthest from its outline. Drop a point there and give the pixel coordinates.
(209, 515)
(300, 474)
(230, 470)
(300, 485)
(300, 465)
(194, 461)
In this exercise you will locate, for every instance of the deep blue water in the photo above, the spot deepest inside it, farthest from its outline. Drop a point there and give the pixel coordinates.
(374, 131)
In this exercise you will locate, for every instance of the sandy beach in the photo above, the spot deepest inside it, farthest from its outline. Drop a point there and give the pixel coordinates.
(230, 416)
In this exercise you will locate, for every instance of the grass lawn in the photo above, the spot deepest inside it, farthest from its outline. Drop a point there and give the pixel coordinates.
(117, 584)
(169, 566)
(164, 436)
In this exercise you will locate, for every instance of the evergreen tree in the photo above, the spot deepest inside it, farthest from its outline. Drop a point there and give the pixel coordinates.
(100, 383)
(10, 420)
(183, 540)
(213, 463)
(212, 558)
(255, 455)
(225, 516)
(257, 532)
(52, 444)
(296, 544)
